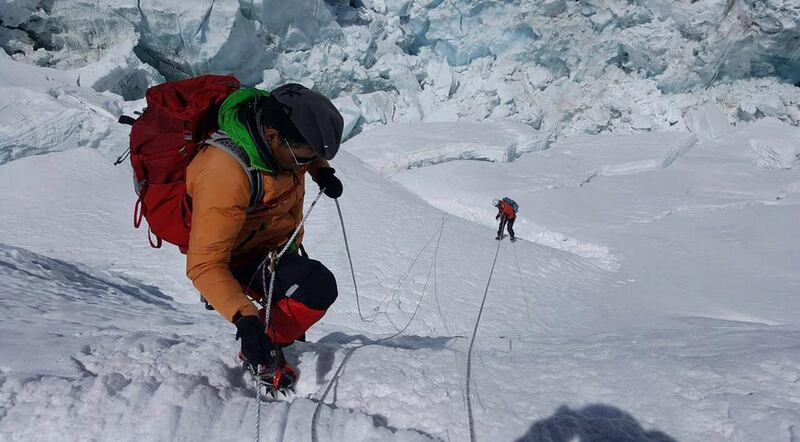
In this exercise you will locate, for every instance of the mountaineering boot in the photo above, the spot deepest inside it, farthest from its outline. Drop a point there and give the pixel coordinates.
(262, 358)
(275, 374)
(498, 237)
(513, 239)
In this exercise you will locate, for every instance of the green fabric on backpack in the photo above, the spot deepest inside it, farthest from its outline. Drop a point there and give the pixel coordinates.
(228, 120)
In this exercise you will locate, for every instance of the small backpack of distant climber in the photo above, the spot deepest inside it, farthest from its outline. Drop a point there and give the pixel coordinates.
(512, 203)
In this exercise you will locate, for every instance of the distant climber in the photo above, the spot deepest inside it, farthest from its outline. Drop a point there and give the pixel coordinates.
(507, 213)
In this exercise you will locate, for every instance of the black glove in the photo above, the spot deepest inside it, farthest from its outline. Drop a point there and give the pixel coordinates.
(331, 184)
(255, 344)
(497, 217)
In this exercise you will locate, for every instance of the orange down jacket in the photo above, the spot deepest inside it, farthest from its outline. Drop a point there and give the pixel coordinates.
(224, 236)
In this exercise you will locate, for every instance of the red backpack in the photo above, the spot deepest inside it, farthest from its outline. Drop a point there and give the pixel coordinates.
(179, 117)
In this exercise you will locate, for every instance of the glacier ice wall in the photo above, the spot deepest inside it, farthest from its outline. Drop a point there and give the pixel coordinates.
(588, 66)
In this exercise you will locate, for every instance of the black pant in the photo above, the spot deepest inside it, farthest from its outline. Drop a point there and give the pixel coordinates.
(505, 222)
(304, 289)
(306, 280)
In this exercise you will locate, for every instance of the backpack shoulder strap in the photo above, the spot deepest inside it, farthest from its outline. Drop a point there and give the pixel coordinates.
(221, 141)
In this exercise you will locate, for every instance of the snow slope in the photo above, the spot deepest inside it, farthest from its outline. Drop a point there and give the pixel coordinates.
(692, 227)
(652, 297)
(141, 336)
(110, 342)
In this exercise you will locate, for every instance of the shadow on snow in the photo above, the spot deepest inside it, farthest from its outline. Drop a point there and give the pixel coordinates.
(593, 423)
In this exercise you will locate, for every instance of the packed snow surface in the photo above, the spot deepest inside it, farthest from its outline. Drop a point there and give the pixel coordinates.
(652, 297)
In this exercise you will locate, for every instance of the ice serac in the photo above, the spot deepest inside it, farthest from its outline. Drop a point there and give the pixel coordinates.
(708, 121)
(775, 144)
(186, 39)
(565, 67)
(441, 80)
(415, 145)
(43, 110)
(299, 25)
(350, 113)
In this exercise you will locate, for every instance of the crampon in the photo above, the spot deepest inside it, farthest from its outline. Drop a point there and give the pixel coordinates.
(278, 378)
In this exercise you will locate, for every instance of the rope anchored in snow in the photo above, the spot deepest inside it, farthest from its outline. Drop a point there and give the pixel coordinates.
(377, 309)
(337, 374)
(350, 260)
(258, 410)
(401, 281)
(471, 344)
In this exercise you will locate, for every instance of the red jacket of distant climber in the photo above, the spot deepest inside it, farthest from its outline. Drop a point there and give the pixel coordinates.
(505, 209)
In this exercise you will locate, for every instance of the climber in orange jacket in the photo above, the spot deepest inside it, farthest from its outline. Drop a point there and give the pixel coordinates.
(285, 134)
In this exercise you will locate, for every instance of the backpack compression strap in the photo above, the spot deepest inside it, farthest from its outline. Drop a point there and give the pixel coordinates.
(221, 141)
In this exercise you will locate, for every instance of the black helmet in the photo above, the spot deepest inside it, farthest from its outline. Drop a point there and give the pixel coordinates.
(314, 116)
